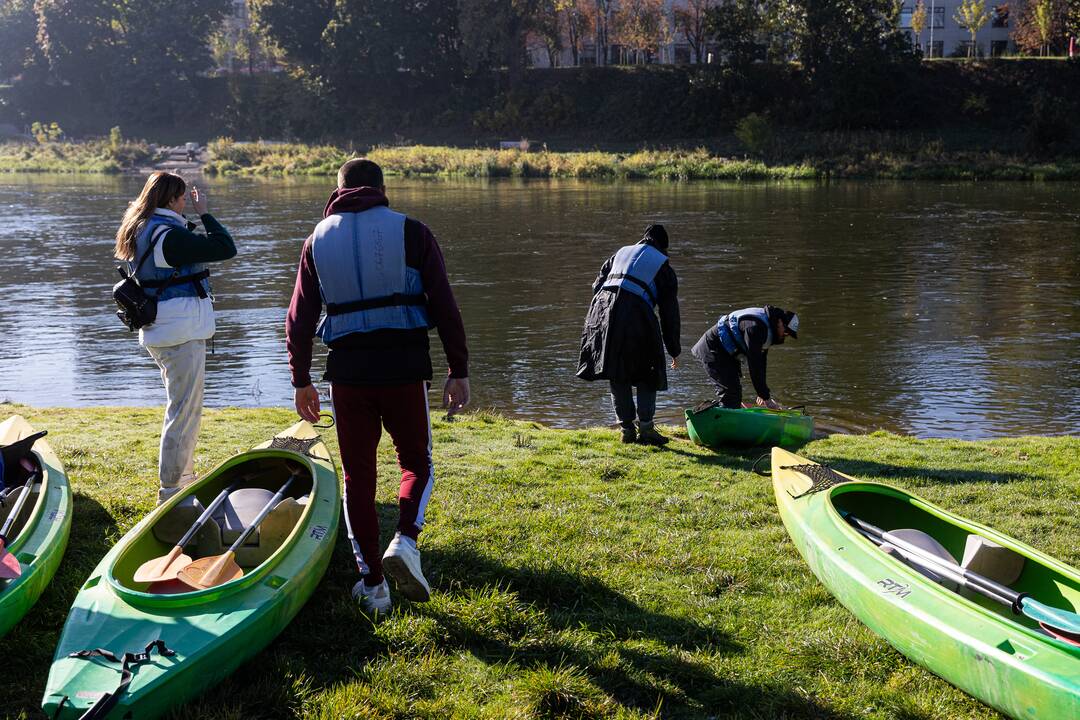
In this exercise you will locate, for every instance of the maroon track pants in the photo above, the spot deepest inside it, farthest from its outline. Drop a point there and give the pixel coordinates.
(361, 412)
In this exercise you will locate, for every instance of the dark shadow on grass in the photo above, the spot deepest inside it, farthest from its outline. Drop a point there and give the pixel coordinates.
(34, 638)
(330, 641)
(873, 470)
(640, 679)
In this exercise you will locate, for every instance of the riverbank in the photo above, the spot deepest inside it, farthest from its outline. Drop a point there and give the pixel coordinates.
(573, 576)
(225, 157)
(919, 163)
(102, 156)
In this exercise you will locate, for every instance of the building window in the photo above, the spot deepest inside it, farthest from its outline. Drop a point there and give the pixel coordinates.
(963, 49)
(936, 48)
(1000, 16)
(937, 17)
(998, 48)
(682, 54)
(905, 16)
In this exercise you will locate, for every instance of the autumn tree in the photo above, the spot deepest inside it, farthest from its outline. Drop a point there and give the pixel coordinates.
(1042, 26)
(919, 18)
(972, 15)
(692, 20)
(576, 20)
(640, 26)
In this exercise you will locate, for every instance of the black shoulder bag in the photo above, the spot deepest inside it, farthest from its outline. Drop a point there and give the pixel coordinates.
(135, 308)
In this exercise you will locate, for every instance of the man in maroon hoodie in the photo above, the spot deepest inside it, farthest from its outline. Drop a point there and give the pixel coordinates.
(383, 280)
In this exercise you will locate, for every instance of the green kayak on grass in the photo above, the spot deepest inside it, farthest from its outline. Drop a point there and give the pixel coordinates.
(979, 645)
(204, 634)
(718, 426)
(40, 533)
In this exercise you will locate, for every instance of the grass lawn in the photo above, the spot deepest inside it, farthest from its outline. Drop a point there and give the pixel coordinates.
(573, 577)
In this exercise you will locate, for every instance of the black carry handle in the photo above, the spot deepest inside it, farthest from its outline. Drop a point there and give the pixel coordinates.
(108, 700)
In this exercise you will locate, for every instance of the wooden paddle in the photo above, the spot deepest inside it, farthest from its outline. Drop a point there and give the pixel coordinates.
(1064, 622)
(167, 567)
(9, 564)
(219, 569)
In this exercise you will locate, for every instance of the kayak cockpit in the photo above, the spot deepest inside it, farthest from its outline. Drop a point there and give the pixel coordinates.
(991, 554)
(15, 477)
(252, 480)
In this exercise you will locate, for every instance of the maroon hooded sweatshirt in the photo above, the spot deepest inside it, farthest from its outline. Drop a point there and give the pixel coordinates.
(379, 357)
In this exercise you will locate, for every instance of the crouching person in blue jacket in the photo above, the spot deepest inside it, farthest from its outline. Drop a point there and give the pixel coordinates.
(745, 333)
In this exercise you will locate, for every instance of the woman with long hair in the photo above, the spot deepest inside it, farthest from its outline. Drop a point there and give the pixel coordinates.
(169, 260)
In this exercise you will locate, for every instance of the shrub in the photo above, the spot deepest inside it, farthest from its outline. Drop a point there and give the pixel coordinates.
(755, 132)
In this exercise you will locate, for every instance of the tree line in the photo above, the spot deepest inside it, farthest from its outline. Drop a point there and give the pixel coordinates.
(143, 58)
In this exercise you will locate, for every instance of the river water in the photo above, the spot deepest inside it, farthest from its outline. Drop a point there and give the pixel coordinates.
(934, 309)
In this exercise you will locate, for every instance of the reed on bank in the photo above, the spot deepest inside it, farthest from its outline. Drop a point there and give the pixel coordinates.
(930, 162)
(573, 576)
(103, 156)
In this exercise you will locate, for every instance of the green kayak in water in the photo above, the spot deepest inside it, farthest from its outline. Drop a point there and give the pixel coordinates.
(40, 533)
(1005, 659)
(716, 426)
(184, 641)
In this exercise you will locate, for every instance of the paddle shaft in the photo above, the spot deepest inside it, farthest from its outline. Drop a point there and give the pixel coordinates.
(204, 517)
(922, 562)
(18, 507)
(261, 516)
(974, 581)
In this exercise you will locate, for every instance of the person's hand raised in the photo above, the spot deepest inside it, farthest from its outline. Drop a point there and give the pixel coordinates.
(198, 200)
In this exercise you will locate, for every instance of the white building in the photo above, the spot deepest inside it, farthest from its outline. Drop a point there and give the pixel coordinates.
(945, 36)
(950, 38)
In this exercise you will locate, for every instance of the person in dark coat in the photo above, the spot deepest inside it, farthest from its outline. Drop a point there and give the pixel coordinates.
(744, 333)
(623, 342)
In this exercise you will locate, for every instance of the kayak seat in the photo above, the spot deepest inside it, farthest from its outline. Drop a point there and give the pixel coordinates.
(235, 514)
(175, 523)
(925, 542)
(991, 560)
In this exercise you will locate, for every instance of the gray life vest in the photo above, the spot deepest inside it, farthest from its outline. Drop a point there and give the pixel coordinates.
(727, 327)
(167, 283)
(363, 277)
(635, 269)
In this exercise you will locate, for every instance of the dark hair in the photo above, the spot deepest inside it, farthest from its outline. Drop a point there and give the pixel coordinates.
(360, 172)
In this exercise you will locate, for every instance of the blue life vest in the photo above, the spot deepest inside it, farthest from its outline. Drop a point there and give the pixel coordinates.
(363, 277)
(635, 269)
(727, 327)
(167, 283)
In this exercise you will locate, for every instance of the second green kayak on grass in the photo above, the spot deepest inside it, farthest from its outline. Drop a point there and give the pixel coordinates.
(40, 534)
(980, 646)
(718, 426)
(209, 632)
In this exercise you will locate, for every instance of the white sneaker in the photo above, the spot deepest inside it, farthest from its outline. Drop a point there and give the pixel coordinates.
(373, 599)
(402, 562)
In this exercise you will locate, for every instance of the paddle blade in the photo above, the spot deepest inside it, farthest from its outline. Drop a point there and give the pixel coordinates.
(1052, 616)
(9, 566)
(1062, 636)
(211, 571)
(166, 567)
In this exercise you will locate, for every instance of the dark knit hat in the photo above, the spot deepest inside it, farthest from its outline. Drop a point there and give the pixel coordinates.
(656, 236)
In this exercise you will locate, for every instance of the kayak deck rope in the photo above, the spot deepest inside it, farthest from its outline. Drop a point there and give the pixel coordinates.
(108, 700)
(296, 445)
(822, 477)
